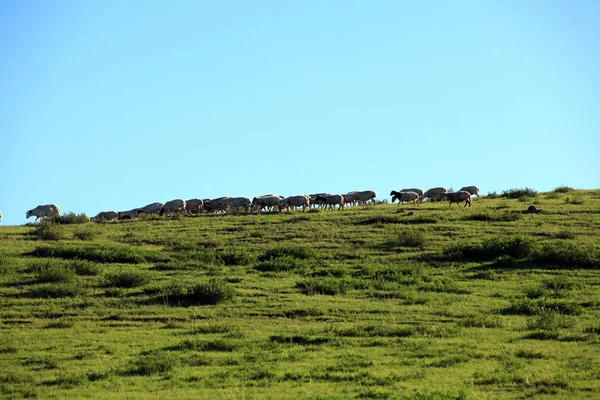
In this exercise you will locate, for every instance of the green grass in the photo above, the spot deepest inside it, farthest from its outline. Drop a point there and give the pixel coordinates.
(368, 303)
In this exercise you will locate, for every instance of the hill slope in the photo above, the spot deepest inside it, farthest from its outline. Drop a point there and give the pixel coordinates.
(482, 302)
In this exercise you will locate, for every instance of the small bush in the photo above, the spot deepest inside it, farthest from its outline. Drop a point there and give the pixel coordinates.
(444, 285)
(235, 257)
(86, 234)
(328, 286)
(57, 290)
(70, 218)
(497, 246)
(548, 320)
(525, 306)
(487, 217)
(48, 230)
(70, 380)
(101, 254)
(210, 293)
(127, 278)
(152, 364)
(574, 200)
(481, 321)
(563, 189)
(517, 193)
(52, 271)
(411, 238)
(84, 267)
(529, 354)
(569, 254)
(300, 252)
(564, 234)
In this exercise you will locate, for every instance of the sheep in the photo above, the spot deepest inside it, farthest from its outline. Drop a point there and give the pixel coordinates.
(0, 215)
(193, 206)
(332, 200)
(220, 204)
(417, 191)
(172, 207)
(207, 205)
(294, 201)
(42, 211)
(130, 214)
(267, 201)
(405, 196)
(313, 199)
(473, 190)
(457, 197)
(153, 208)
(106, 216)
(435, 193)
(361, 197)
(234, 203)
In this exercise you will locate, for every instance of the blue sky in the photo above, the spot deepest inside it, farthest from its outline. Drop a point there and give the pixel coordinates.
(111, 105)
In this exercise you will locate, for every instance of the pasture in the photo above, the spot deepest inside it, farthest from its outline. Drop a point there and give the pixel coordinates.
(369, 302)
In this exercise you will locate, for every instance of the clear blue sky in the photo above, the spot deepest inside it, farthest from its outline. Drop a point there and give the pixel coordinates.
(111, 105)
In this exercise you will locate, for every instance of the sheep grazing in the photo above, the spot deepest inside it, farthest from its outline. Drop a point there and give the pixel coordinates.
(43, 211)
(0, 215)
(235, 203)
(129, 214)
(313, 199)
(193, 206)
(294, 201)
(150, 209)
(332, 200)
(435, 193)
(269, 202)
(106, 216)
(415, 190)
(457, 197)
(473, 190)
(360, 197)
(176, 206)
(405, 196)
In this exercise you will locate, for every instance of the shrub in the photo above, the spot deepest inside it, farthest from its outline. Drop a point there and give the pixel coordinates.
(525, 306)
(52, 271)
(487, 217)
(84, 267)
(300, 252)
(516, 193)
(574, 200)
(57, 290)
(97, 253)
(563, 189)
(70, 218)
(411, 238)
(210, 293)
(481, 321)
(48, 230)
(329, 286)
(152, 364)
(548, 320)
(444, 285)
(235, 257)
(497, 246)
(569, 254)
(86, 234)
(127, 278)
(564, 234)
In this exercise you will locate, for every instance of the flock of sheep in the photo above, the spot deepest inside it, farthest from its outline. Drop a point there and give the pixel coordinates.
(268, 202)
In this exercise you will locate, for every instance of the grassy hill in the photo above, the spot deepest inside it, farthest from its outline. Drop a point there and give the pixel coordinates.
(372, 303)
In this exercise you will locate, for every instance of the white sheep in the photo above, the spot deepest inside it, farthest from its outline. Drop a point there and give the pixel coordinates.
(106, 216)
(457, 197)
(173, 207)
(473, 190)
(332, 200)
(405, 196)
(435, 193)
(42, 211)
(153, 208)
